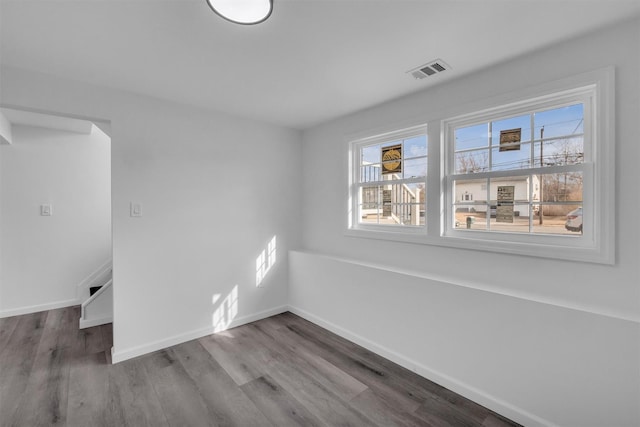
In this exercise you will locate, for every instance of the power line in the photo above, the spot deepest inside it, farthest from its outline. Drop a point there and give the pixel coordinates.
(486, 137)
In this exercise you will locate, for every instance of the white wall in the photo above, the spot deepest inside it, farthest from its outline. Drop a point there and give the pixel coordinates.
(5, 130)
(214, 190)
(545, 341)
(1, 205)
(44, 258)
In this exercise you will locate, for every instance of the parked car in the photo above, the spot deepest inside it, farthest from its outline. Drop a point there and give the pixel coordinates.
(574, 220)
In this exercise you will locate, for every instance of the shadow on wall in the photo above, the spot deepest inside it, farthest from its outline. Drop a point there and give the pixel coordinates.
(226, 309)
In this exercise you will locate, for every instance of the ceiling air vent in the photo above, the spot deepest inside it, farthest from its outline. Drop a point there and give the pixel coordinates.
(429, 69)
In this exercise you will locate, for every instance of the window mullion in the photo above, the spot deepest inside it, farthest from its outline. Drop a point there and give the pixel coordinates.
(487, 202)
(490, 137)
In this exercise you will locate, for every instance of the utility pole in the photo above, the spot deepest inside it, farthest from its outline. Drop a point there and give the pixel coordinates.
(566, 162)
(540, 215)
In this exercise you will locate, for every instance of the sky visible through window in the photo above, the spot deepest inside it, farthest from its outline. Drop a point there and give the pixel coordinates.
(563, 141)
(414, 151)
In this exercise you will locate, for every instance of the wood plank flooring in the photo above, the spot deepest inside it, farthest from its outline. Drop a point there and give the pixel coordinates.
(280, 371)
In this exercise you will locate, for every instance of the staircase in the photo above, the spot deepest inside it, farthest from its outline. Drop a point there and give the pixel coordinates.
(405, 203)
(97, 293)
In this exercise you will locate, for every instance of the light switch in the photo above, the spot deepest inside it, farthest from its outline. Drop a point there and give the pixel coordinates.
(45, 210)
(136, 209)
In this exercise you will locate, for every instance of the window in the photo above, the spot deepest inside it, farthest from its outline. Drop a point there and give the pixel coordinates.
(527, 170)
(529, 173)
(540, 171)
(388, 187)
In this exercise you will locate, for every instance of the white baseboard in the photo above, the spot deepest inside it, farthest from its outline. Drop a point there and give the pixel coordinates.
(122, 355)
(94, 322)
(38, 307)
(500, 406)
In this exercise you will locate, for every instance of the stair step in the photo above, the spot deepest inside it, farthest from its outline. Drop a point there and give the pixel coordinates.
(94, 289)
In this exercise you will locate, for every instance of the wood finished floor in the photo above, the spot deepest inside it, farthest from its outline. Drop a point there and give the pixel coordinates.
(280, 371)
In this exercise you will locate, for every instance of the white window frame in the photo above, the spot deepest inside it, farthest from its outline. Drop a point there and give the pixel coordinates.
(582, 96)
(595, 90)
(597, 243)
(381, 230)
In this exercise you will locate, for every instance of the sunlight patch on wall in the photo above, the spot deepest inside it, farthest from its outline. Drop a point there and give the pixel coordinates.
(226, 311)
(265, 261)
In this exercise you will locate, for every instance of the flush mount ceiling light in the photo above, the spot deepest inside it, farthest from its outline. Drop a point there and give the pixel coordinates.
(246, 12)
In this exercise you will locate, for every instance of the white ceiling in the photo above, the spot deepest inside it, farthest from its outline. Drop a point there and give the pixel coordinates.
(312, 61)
